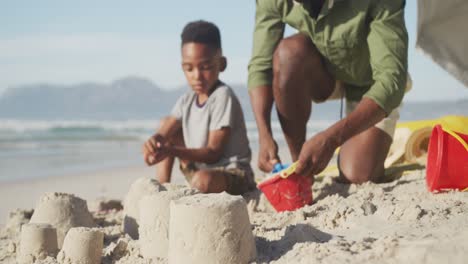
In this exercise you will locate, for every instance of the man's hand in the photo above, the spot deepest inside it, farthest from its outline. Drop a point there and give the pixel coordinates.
(268, 154)
(315, 154)
(154, 149)
(261, 99)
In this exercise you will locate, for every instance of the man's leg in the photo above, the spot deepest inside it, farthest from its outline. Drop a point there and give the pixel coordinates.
(362, 157)
(299, 77)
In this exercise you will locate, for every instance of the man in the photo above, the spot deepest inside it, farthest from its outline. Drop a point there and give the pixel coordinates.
(355, 47)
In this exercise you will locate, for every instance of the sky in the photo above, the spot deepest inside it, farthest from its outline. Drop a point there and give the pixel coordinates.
(69, 42)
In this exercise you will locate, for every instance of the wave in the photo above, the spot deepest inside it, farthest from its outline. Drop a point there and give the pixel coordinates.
(17, 130)
(106, 130)
(42, 125)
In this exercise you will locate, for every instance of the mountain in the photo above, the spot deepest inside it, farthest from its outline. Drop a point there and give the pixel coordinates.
(139, 98)
(126, 98)
(130, 97)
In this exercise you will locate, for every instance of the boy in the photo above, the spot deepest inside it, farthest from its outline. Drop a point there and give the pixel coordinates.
(206, 128)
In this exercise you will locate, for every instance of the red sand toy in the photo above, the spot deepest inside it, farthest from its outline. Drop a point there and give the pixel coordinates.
(447, 160)
(286, 190)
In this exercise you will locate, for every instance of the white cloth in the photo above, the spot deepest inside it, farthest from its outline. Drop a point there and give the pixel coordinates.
(442, 34)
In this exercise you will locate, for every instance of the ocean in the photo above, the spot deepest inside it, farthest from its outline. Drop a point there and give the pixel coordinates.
(31, 149)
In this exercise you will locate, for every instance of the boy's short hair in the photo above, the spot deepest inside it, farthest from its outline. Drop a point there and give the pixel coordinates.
(201, 32)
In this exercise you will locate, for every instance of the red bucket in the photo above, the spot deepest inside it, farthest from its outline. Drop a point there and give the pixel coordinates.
(287, 194)
(447, 160)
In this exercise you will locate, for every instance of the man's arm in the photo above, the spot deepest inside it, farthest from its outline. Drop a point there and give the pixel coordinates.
(217, 139)
(388, 45)
(261, 99)
(388, 48)
(268, 32)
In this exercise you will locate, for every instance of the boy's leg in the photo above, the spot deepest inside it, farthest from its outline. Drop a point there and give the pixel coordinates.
(210, 181)
(299, 77)
(164, 168)
(235, 181)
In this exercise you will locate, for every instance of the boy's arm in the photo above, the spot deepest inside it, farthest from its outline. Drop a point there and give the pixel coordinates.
(169, 126)
(217, 139)
(152, 148)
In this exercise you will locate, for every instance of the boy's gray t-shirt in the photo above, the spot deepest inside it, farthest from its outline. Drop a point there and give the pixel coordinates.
(222, 109)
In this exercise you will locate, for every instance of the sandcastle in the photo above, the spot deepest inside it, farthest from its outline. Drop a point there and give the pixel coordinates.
(37, 241)
(154, 222)
(62, 211)
(210, 228)
(82, 246)
(140, 188)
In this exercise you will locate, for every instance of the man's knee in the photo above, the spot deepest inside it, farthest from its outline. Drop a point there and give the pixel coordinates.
(201, 181)
(295, 47)
(293, 58)
(292, 51)
(354, 173)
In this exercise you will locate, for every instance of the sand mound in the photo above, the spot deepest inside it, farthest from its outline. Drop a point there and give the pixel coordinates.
(16, 219)
(210, 228)
(140, 188)
(63, 211)
(82, 246)
(154, 222)
(103, 204)
(38, 241)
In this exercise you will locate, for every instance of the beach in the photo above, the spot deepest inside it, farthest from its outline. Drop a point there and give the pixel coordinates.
(87, 87)
(395, 222)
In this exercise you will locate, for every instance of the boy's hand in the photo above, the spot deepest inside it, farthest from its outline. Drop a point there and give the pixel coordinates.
(153, 149)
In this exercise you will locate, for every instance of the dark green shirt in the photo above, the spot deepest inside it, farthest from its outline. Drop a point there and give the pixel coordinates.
(364, 44)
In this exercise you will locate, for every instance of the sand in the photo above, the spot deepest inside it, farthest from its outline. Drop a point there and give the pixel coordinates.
(396, 222)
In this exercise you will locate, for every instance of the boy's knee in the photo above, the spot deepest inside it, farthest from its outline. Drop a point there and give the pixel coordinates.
(201, 181)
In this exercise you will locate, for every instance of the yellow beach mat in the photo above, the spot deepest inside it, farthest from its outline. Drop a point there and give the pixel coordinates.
(391, 173)
(411, 139)
(409, 148)
(452, 122)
